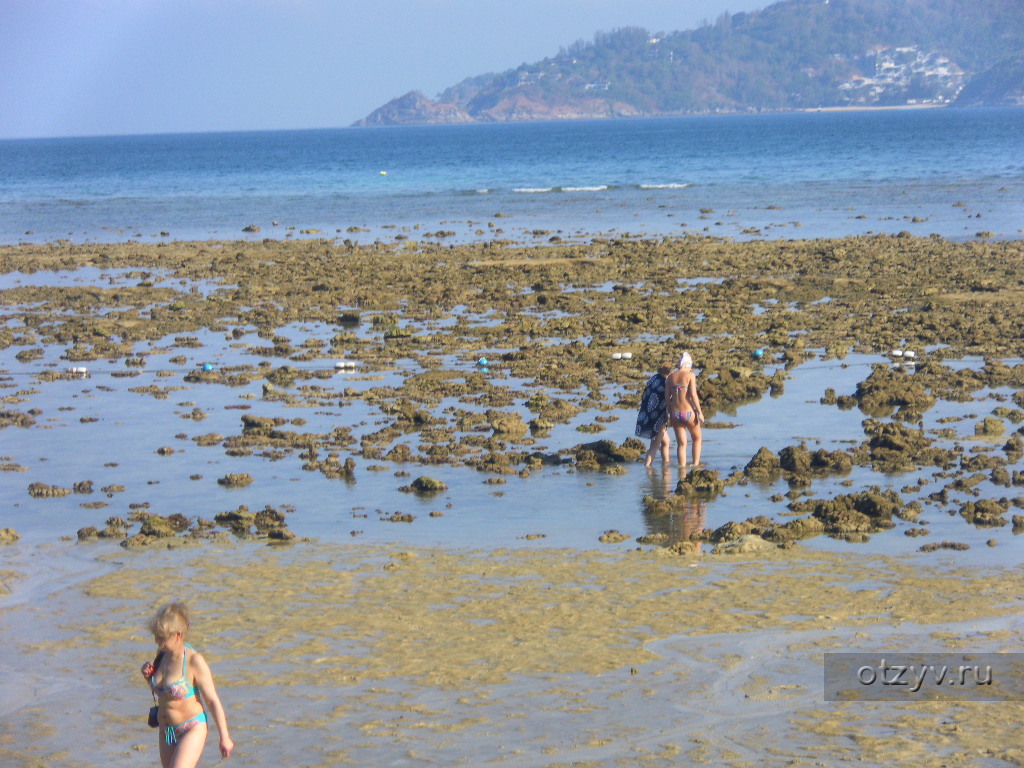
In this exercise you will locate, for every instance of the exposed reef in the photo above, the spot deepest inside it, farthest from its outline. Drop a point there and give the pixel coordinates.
(509, 343)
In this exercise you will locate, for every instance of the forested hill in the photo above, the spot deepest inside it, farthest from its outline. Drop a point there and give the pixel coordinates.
(795, 54)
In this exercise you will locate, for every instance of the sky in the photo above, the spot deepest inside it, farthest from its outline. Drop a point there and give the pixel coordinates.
(110, 67)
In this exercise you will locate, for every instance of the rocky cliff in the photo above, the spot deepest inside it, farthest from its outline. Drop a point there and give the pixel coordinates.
(416, 109)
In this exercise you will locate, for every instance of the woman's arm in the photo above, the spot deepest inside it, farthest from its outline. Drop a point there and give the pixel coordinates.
(204, 682)
(694, 399)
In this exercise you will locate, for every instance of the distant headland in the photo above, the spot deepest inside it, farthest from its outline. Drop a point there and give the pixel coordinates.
(792, 55)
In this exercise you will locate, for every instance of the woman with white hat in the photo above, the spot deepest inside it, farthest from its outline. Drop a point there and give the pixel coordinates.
(684, 411)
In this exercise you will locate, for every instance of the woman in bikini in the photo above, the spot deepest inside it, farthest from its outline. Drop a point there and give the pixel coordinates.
(178, 676)
(684, 412)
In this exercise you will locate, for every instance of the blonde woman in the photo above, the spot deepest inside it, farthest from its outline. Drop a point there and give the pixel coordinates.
(178, 677)
(684, 412)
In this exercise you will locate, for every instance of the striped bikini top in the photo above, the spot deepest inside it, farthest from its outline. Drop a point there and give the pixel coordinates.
(181, 689)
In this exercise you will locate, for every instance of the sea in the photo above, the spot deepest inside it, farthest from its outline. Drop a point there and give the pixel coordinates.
(958, 173)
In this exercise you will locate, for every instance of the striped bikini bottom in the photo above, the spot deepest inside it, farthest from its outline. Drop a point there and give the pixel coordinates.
(174, 732)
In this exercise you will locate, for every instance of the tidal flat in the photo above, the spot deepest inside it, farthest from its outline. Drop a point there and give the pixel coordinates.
(435, 443)
(355, 655)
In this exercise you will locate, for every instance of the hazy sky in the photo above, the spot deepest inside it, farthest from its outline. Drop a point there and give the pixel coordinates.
(87, 67)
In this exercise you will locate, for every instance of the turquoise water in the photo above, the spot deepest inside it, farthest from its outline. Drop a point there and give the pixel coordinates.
(950, 172)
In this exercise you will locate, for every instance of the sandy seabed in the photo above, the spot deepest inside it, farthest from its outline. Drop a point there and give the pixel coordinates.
(356, 655)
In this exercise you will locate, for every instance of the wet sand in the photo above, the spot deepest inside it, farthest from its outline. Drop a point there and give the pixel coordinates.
(329, 655)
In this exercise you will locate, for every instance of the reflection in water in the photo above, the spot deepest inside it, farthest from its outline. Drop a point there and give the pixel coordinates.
(689, 517)
(663, 481)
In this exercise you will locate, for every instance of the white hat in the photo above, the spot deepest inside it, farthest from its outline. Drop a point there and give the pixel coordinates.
(685, 362)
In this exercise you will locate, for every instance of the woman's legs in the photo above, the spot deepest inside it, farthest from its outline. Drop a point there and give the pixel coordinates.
(186, 750)
(680, 431)
(698, 440)
(166, 750)
(658, 443)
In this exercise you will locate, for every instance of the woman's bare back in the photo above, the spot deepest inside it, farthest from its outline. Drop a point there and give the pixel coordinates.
(678, 388)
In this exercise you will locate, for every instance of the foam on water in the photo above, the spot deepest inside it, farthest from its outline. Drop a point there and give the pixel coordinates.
(825, 174)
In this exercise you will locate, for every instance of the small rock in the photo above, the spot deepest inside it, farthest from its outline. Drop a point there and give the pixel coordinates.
(990, 427)
(956, 546)
(426, 484)
(44, 491)
(280, 535)
(240, 480)
(745, 545)
(8, 536)
(705, 483)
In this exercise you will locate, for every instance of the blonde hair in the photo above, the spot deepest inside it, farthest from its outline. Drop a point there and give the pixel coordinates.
(170, 620)
(665, 369)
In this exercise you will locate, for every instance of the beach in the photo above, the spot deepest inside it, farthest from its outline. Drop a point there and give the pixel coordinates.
(396, 483)
(348, 655)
